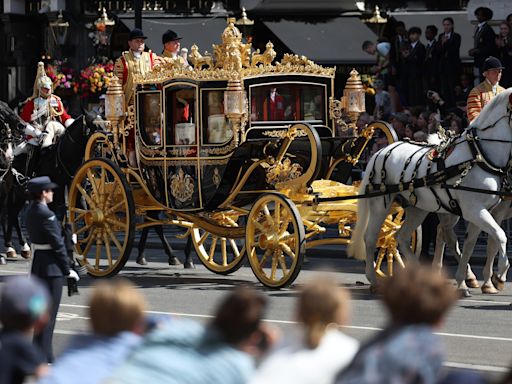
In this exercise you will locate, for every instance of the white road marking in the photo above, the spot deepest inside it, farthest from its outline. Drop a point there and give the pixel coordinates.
(476, 367)
(366, 328)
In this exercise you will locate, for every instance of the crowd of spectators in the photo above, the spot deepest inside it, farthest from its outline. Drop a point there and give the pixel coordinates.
(236, 346)
(422, 79)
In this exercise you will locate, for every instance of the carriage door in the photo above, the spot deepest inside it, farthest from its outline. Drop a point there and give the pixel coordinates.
(181, 147)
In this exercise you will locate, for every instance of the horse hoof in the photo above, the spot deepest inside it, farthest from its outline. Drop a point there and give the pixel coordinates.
(488, 289)
(374, 289)
(472, 283)
(464, 292)
(499, 284)
(10, 253)
(189, 265)
(2, 260)
(141, 260)
(173, 260)
(25, 254)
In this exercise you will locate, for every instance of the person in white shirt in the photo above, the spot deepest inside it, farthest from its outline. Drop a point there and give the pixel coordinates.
(321, 349)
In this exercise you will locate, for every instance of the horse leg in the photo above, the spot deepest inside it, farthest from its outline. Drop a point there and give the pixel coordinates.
(413, 219)
(437, 261)
(172, 260)
(484, 220)
(189, 263)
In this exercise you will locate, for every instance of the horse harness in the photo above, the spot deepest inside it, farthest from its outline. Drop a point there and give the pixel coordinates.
(438, 155)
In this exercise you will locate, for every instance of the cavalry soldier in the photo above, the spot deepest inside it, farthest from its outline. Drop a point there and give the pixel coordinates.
(131, 63)
(46, 117)
(483, 93)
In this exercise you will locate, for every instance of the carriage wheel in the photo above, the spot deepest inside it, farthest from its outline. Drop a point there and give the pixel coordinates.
(99, 146)
(101, 211)
(387, 251)
(221, 255)
(275, 240)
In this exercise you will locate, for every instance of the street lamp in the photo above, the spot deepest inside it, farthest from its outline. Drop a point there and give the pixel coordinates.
(104, 27)
(377, 21)
(59, 29)
(245, 25)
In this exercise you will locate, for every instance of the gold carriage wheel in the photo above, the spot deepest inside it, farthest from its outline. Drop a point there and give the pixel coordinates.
(98, 146)
(101, 211)
(387, 251)
(221, 255)
(275, 240)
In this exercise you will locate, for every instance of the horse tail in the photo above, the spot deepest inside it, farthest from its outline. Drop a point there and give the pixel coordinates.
(357, 247)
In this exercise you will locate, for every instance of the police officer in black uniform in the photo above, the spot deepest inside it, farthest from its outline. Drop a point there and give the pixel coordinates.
(50, 259)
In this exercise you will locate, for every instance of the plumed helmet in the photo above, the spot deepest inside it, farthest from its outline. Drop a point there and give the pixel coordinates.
(41, 81)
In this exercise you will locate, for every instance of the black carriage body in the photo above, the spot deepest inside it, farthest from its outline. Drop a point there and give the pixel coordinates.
(189, 158)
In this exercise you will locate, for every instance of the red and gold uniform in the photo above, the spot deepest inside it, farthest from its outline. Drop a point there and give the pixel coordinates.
(480, 96)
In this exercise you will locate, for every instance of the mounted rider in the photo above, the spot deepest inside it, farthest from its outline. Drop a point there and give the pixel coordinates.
(44, 113)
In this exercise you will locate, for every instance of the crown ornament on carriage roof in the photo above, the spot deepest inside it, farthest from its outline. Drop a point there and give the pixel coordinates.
(232, 59)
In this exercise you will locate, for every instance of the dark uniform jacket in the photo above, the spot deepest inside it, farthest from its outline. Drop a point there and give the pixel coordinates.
(485, 43)
(43, 228)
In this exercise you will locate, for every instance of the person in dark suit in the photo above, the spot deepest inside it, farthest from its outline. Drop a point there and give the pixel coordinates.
(484, 41)
(412, 73)
(50, 258)
(449, 61)
(398, 45)
(431, 65)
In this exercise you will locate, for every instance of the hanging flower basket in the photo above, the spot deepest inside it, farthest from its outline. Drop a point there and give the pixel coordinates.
(94, 79)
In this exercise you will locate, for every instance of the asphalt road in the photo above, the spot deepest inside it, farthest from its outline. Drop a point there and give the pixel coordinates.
(477, 332)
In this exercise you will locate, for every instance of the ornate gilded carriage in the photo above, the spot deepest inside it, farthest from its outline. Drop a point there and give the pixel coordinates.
(242, 153)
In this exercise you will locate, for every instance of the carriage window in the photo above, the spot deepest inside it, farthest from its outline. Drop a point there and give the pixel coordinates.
(288, 102)
(216, 126)
(150, 123)
(180, 115)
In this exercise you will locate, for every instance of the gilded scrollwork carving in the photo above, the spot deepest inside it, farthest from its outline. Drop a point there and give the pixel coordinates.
(283, 171)
(182, 186)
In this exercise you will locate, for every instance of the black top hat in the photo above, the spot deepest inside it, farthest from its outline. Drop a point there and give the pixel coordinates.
(38, 184)
(487, 12)
(136, 33)
(492, 63)
(170, 36)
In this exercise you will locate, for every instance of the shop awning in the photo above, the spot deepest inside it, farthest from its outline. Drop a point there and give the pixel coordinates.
(200, 31)
(334, 41)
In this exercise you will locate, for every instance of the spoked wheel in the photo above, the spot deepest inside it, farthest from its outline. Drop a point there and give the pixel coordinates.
(387, 251)
(221, 255)
(275, 240)
(101, 211)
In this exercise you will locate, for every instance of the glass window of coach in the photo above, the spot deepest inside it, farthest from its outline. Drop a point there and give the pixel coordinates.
(288, 102)
(218, 128)
(150, 120)
(180, 115)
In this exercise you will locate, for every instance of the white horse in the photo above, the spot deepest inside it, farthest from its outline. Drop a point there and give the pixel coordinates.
(490, 135)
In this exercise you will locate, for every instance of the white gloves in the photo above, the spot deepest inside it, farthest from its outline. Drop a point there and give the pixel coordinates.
(73, 275)
(31, 131)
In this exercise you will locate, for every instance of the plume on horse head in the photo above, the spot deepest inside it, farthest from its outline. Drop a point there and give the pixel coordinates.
(497, 108)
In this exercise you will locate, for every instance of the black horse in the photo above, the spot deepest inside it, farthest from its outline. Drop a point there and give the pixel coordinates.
(59, 161)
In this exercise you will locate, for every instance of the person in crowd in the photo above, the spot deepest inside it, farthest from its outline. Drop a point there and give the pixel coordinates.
(50, 258)
(422, 121)
(133, 62)
(171, 43)
(407, 350)
(409, 131)
(462, 91)
(431, 64)
(187, 352)
(382, 109)
(399, 121)
(484, 41)
(362, 121)
(412, 69)
(449, 60)
(320, 349)
(24, 305)
(116, 310)
(381, 67)
(141, 258)
(504, 45)
(456, 125)
(483, 93)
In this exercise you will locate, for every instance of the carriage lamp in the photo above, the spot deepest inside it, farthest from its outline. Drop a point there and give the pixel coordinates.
(245, 26)
(235, 106)
(114, 105)
(352, 103)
